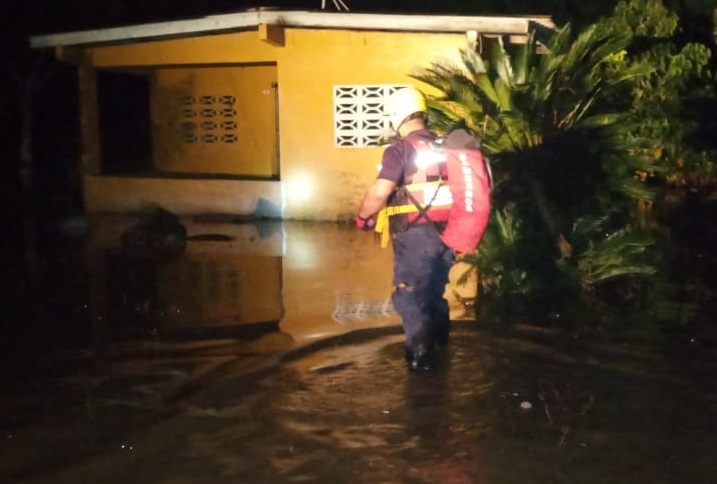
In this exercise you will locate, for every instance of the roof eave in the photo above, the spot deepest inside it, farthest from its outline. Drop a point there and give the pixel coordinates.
(301, 19)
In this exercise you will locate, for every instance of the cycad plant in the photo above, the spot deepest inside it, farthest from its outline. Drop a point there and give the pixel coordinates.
(564, 156)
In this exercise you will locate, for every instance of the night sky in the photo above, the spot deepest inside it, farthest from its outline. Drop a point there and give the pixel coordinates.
(57, 15)
(41, 16)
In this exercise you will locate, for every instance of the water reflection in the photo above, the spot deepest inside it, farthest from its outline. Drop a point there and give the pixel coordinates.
(312, 279)
(269, 353)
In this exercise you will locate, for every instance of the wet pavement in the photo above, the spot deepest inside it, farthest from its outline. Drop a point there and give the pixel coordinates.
(270, 353)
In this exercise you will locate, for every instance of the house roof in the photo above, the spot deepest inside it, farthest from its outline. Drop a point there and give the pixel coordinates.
(487, 25)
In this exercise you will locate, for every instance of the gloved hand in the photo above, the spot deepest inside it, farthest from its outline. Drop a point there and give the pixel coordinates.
(366, 224)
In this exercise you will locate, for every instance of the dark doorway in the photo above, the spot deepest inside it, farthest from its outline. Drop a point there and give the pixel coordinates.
(124, 118)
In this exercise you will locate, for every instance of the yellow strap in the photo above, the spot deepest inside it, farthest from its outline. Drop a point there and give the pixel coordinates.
(382, 225)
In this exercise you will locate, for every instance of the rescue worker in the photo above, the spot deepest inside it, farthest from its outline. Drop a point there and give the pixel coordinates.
(421, 259)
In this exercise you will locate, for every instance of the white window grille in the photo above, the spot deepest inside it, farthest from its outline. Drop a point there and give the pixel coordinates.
(358, 114)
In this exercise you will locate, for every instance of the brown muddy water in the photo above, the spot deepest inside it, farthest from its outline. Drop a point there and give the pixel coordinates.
(270, 353)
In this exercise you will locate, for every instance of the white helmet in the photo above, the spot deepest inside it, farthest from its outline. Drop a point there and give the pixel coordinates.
(403, 103)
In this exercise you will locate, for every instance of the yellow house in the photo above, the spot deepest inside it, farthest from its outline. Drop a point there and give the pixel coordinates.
(262, 113)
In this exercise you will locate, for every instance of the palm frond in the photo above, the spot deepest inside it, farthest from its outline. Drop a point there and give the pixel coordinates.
(620, 254)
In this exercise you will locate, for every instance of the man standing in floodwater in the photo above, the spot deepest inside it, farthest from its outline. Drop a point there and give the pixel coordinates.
(421, 259)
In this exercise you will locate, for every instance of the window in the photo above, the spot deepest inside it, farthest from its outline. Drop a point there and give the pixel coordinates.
(358, 114)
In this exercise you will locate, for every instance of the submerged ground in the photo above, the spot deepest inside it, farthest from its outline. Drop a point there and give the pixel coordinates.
(270, 353)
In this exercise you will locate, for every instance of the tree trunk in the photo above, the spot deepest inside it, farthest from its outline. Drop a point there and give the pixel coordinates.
(551, 220)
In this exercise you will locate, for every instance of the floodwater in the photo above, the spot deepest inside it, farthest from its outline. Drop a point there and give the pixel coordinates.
(269, 352)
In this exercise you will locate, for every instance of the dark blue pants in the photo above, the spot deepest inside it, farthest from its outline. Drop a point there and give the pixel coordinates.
(421, 262)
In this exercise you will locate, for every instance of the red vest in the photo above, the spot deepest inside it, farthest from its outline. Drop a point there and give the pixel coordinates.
(426, 188)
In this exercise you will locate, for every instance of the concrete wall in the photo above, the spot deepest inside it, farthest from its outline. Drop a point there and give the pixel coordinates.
(105, 194)
(319, 180)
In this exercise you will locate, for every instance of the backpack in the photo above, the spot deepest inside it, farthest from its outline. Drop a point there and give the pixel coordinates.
(467, 175)
(469, 180)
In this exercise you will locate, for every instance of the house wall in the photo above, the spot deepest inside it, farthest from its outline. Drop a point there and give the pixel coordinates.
(215, 120)
(317, 179)
(112, 194)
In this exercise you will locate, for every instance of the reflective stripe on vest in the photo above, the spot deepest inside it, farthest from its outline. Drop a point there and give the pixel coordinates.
(426, 185)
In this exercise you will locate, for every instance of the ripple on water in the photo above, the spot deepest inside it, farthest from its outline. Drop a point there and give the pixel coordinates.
(516, 406)
(501, 409)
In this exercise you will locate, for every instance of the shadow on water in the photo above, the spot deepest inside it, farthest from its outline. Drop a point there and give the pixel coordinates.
(271, 355)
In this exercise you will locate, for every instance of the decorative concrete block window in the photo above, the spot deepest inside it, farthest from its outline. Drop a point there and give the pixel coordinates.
(209, 119)
(358, 113)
